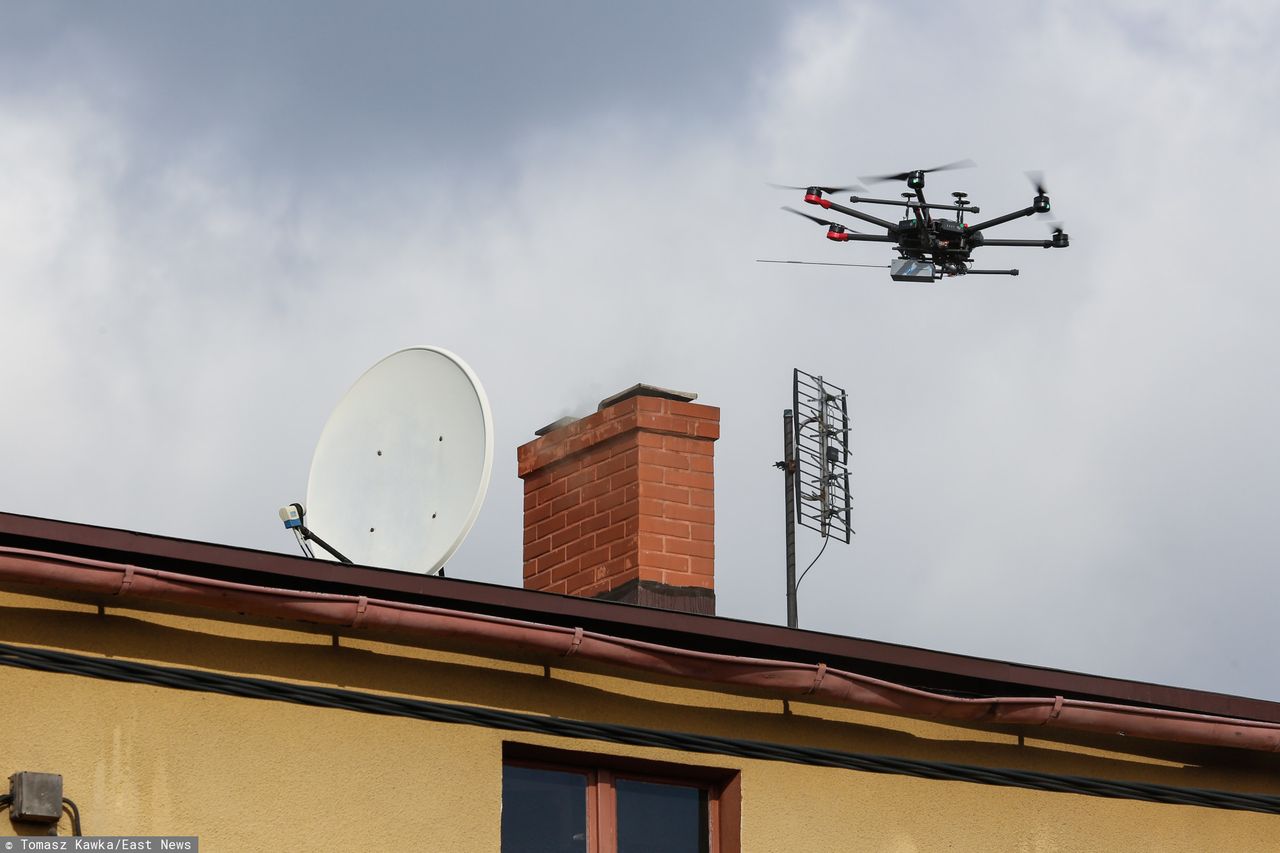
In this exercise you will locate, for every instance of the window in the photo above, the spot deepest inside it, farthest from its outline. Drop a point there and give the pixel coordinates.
(572, 802)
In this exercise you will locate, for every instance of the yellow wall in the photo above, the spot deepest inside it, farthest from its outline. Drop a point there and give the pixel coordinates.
(247, 774)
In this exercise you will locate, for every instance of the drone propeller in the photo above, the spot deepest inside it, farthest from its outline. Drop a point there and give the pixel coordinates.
(1036, 178)
(902, 176)
(828, 190)
(1061, 239)
(826, 222)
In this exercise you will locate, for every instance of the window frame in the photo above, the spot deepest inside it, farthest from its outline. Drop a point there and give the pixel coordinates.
(721, 784)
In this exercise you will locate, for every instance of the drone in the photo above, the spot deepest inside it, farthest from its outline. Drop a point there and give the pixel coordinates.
(929, 247)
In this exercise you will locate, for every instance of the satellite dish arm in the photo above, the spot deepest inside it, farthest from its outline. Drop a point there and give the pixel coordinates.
(306, 532)
(292, 516)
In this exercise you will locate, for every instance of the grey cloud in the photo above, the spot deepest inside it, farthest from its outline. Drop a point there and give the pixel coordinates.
(1073, 468)
(310, 90)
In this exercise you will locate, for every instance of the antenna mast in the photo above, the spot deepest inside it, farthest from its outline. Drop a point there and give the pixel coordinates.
(815, 445)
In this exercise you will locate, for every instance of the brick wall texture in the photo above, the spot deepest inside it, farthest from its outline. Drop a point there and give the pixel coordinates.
(624, 494)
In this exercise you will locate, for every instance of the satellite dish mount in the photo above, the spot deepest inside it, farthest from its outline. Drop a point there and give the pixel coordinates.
(294, 516)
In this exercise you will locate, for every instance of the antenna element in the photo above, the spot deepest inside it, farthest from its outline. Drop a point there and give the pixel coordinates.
(815, 445)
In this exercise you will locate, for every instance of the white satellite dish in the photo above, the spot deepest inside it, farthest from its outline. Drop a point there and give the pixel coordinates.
(403, 463)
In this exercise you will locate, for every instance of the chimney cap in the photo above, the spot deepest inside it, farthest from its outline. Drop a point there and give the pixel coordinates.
(640, 389)
(555, 425)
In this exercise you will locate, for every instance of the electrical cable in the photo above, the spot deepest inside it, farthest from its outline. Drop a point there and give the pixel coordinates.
(825, 540)
(75, 815)
(47, 660)
(302, 542)
(298, 536)
(6, 800)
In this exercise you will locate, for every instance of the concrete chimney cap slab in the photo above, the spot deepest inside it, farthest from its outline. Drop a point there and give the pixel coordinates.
(555, 425)
(640, 389)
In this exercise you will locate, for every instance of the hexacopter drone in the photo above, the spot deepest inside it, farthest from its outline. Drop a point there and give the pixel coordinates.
(928, 247)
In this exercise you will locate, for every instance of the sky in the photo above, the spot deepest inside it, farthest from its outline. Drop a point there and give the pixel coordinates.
(215, 217)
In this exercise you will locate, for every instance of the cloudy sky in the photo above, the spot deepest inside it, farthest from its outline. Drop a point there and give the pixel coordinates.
(214, 217)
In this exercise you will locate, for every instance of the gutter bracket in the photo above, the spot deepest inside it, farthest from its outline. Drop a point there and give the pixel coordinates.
(126, 580)
(362, 605)
(574, 643)
(817, 678)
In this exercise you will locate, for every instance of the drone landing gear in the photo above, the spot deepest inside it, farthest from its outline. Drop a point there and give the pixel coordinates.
(961, 269)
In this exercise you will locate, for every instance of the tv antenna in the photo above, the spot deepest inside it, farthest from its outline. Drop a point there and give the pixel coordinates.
(401, 467)
(815, 446)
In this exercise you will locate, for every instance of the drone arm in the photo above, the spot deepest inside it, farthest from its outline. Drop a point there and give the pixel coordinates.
(858, 214)
(1000, 220)
(992, 272)
(1043, 244)
(923, 207)
(966, 209)
(869, 238)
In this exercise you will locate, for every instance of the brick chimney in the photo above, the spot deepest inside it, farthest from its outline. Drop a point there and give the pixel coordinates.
(620, 504)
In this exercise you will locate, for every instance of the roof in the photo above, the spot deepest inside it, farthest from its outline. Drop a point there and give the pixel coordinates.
(937, 671)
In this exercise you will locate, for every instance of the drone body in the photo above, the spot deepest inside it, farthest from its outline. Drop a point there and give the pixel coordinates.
(929, 247)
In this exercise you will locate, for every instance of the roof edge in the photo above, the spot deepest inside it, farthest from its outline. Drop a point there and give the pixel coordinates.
(941, 672)
(553, 645)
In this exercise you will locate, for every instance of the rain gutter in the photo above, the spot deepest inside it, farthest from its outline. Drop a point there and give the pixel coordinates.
(555, 644)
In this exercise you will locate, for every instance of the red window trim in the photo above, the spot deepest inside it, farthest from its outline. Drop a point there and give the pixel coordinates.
(723, 787)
